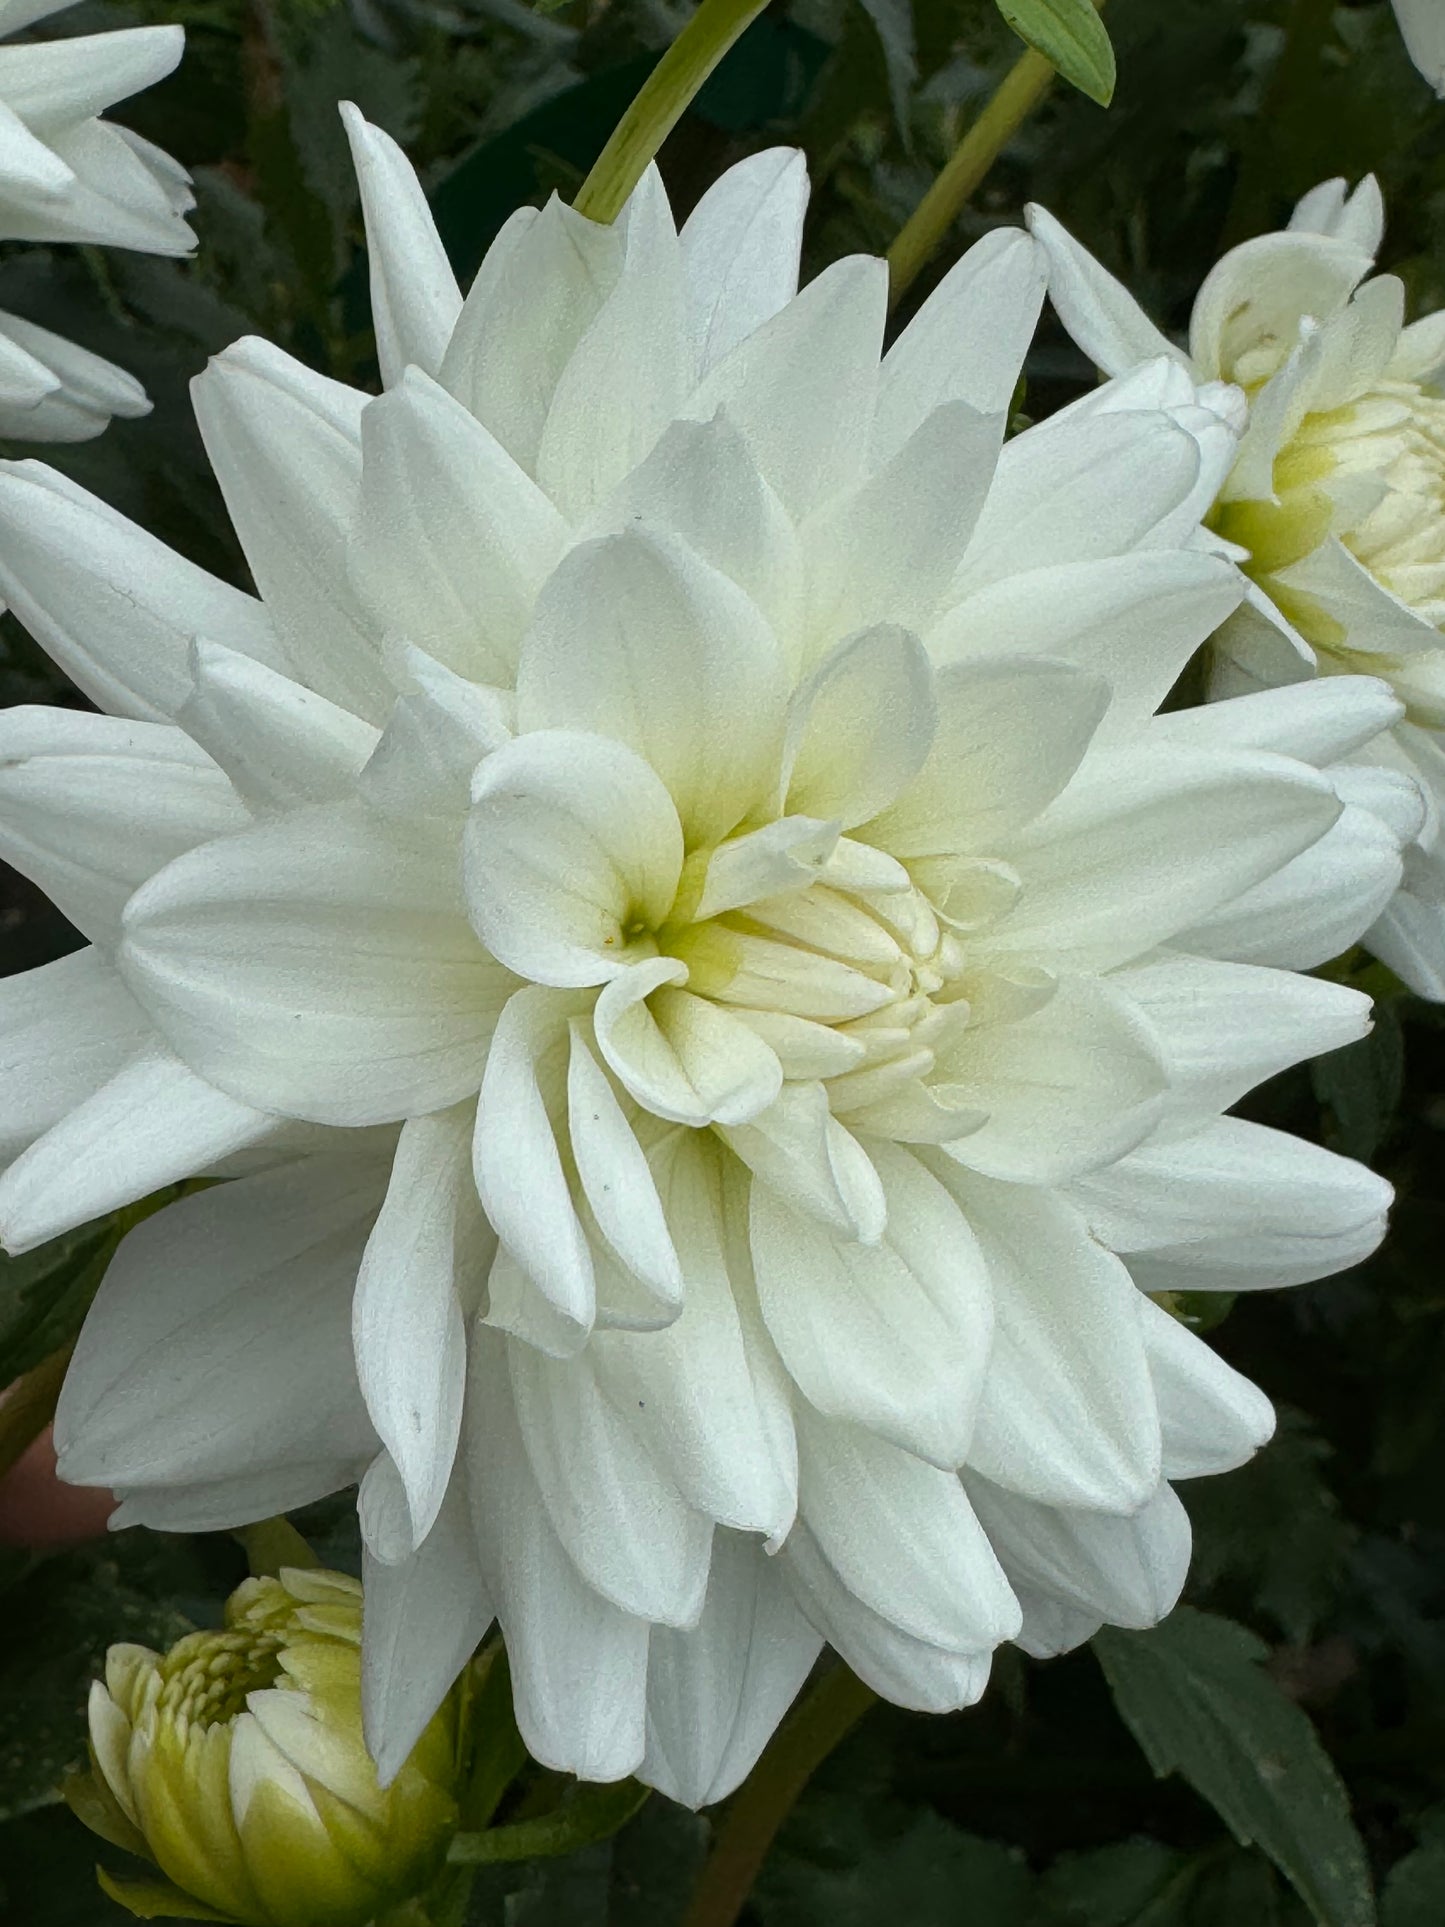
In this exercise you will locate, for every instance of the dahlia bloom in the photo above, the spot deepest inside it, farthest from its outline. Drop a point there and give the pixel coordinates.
(66, 175)
(1335, 506)
(235, 1764)
(714, 989)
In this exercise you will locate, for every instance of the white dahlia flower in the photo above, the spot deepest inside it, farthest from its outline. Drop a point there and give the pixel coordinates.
(714, 988)
(1335, 506)
(66, 175)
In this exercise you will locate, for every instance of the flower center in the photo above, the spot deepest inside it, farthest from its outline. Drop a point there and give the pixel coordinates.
(207, 1676)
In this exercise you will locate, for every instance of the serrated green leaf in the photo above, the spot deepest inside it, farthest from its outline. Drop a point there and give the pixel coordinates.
(1194, 1695)
(1071, 36)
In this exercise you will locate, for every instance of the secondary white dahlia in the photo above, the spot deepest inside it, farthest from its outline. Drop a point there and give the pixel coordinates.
(66, 175)
(1422, 26)
(1335, 506)
(713, 986)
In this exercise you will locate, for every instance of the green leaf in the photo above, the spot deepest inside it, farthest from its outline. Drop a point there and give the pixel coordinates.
(58, 1624)
(850, 1868)
(1414, 1894)
(1071, 36)
(1193, 1694)
(1273, 1527)
(45, 1293)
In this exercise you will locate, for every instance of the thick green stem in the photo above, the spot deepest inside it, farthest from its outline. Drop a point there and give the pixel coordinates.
(666, 95)
(767, 1796)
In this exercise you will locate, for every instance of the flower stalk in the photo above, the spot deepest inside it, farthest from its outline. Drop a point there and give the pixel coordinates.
(923, 233)
(768, 1796)
(664, 98)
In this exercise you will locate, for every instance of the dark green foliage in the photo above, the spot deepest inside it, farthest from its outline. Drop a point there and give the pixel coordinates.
(1301, 1705)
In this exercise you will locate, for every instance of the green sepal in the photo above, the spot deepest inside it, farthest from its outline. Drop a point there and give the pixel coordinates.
(155, 1899)
(585, 1815)
(1071, 37)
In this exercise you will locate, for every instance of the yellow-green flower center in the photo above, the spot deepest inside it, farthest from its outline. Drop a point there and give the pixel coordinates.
(207, 1676)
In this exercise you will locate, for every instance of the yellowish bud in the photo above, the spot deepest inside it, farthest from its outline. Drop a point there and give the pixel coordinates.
(235, 1762)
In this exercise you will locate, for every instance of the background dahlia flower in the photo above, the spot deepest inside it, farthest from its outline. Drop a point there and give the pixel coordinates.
(67, 175)
(714, 989)
(1336, 501)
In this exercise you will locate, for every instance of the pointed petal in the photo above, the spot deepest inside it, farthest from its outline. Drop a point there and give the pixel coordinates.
(740, 250)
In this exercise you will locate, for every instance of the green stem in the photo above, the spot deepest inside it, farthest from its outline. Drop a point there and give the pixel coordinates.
(768, 1795)
(270, 1544)
(1014, 99)
(665, 96)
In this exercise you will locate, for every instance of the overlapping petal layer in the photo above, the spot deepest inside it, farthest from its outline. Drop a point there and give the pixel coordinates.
(713, 986)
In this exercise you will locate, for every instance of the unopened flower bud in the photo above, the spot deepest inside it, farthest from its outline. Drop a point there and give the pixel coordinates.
(236, 1763)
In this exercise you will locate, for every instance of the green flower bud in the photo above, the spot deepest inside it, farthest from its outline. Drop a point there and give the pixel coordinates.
(236, 1763)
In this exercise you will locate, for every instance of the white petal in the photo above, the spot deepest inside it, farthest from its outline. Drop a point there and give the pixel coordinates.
(1068, 1415)
(543, 281)
(440, 729)
(280, 744)
(893, 1336)
(740, 250)
(411, 1352)
(65, 1030)
(519, 1172)
(1010, 736)
(1079, 490)
(414, 296)
(802, 387)
(966, 343)
(1146, 842)
(627, 377)
(888, 551)
(321, 966)
(117, 609)
(1065, 1089)
(701, 483)
(1237, 1207)
(903, 1537)
(571, 844)
(694, 1392)
(218, 1345)
(421, 1623)
(153, 1123)
(614, 1174)
(91, 806)
(637, 639)
(812, 1163)
(907, 1671)
(285, 446)
(1098, 311)
(1225, 1027)
(716, 1693)
(1128, 1571)
(1134, 620)
(452, 539)
(860, 728)
(679, 1055)
(1255, 297)
(1212, 1418)
(624, 1523)
(1318, 721)
(579, 1665)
